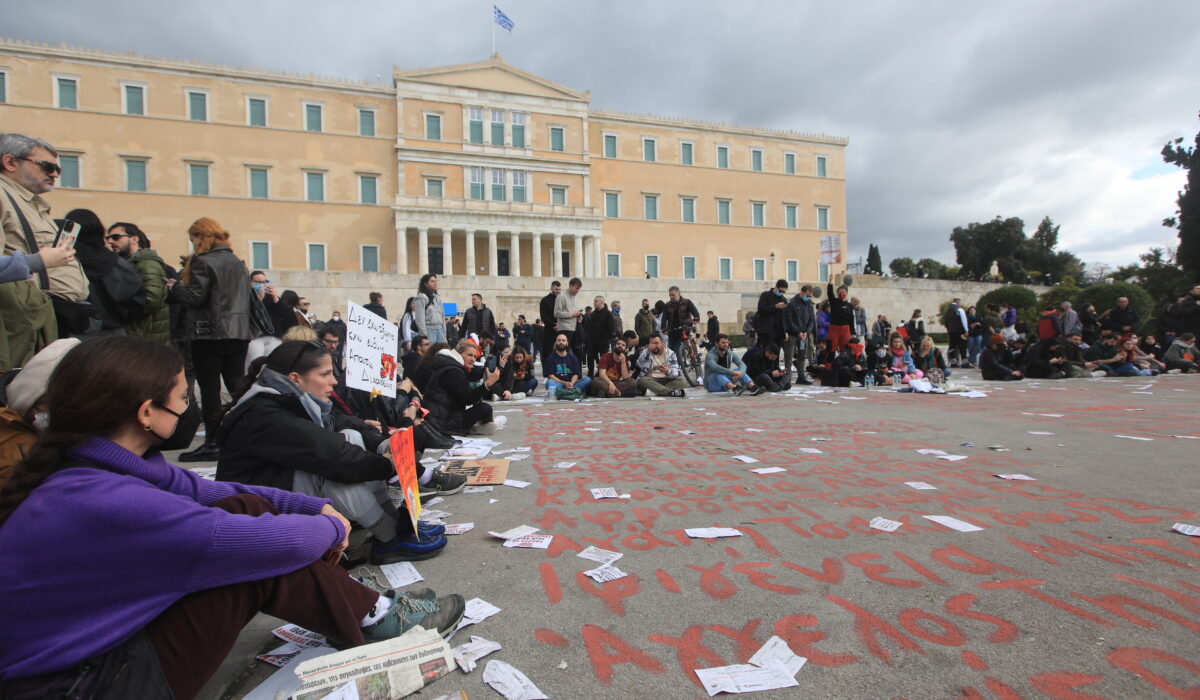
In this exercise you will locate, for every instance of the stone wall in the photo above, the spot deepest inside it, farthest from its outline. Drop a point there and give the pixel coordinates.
(509, 296)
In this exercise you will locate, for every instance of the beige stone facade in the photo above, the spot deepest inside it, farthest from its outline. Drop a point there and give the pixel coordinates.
(474, 169)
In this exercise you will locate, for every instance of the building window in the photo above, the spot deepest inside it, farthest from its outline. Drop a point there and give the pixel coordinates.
(3, 86)
(650, 207)
(313, 117)
(688, 210)
(198, 179)
(476, 183)
(793, 270)
(314, 187)
(316, 257)
(135, 175)
(789, 163)
(256, 111)
(760, 270)
(686, 152)
(558, 195)
(557, 138)
(722, 211)
(789, 215)
(722, 156)
(499, 193)
(823, 218)
(497, 127)
(612, 205)
(368, 189)
(66, 93)
(134, 97)
(652, 266)
(518, 130)
(758, 214)
(69, 177)
(649, 150)
(433, 127)
(259, 184)
(197, 105)
(370, 258)
(434, 187)
(610, 145)
(260, 255)
(366, 122)
(689, 267)
(436, 260)
(475, 125)
(820, 166)
(725, 268)
(823, 271)
(756, 160)
(520, 180)
(612, 264)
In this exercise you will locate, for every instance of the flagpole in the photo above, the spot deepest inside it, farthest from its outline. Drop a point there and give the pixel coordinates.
(493, 36)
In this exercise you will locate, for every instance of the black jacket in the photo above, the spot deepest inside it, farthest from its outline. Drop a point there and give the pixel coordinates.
(841, 313)
(270, 437)
(448, 393)
(217, 298)
(757, 363)
(768, 320)
(677, 314)
(1116, 319)
(713, 330)
(376, 309)
(546, 311)
(478, 321)
(799, 317)
(601, 327)
(994, 365)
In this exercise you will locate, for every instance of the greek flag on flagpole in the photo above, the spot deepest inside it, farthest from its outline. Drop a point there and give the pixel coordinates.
(502, 19)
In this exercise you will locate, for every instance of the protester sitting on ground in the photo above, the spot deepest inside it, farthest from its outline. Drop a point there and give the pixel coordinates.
(1045, 359)
(1105, 354)
(209, 555)
(282, 432)
(1077, 364)
(928, 357)
(1125, 362)
(500, 361)
(1141, 360)
(995, 362)
(615, 378)
(1149, 346)
(632, 350)
(724, 370)
(762, 366)
(456, 406)
(822, 362)
(26, 415)
(850, 366)
(900, 366)
(416, 350)
(302, 333)
(562, 369)
(424, 367)
(660, 370)
(516, 374)
(1182, 354)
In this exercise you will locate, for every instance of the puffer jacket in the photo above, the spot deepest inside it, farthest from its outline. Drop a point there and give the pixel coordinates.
(448, 393)
(428, 313)
(217, 298)
(155, 322)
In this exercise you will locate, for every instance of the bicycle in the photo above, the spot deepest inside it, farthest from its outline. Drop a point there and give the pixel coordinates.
(688, 355)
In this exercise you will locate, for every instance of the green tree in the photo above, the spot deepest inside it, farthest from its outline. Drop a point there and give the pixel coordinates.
(1022, 298)
(928, 267)
(903, 267)
(1066, 290)
(874, 263)
(978, 244)
(1159, 275)
(1187, 213)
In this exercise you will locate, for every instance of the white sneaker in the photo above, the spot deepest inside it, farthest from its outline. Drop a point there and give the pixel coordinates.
(500, 421)
(1099, 373)
(485, 429)
(518, 395)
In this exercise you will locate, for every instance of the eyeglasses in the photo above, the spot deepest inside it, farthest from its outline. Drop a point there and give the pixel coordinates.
(117, 236)
(296, 360)
(46, 166)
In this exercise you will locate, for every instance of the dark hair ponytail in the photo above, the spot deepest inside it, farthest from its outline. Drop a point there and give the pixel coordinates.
(96, 388)
(298, 356)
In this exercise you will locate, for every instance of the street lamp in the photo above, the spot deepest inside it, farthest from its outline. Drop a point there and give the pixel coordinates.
(772, 264)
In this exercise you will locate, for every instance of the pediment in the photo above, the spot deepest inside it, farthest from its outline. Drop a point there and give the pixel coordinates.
(492, 75)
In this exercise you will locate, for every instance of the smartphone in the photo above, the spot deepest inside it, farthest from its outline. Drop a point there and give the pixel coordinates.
(68, 231)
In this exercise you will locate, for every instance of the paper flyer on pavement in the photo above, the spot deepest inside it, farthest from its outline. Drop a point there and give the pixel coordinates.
(392, 668)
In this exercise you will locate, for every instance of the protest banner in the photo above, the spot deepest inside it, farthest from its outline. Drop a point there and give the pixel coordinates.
(831, 250)
(404, 458)
(371, 344)
(479, 472)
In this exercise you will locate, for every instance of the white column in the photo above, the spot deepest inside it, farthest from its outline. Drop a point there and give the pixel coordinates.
(401, 249)
(492, 255)
(537, 253)
(514, 253)
(422, 250)
(472, 270)
(556, 261)
(577, 264)
(597, 268)
(448, 251)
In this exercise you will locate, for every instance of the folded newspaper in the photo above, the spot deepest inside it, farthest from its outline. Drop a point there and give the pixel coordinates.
(391, 669)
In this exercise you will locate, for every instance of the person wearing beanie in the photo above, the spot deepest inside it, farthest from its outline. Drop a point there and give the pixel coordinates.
(25, 416)
(996, 363)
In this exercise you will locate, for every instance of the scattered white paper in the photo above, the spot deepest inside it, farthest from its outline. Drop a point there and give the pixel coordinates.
(1142, 392)
(1038, 432)
(952, 458)
(1189, 530)
(432, 514)
(477, 611)
(530, 541)
(1186, 437)
(605, 493)
(745, 460)
(459, 528)
(299, 635)
(511, 450)
(687, 432)
(479, 489)
(465, 655)
(709, 533)
(592, 430)
(600, 556)
(593, 421)
(743, 678)
(401, 575)
(1015, 477)
(519, 531)
(283, 683)
(564, 465)
(768, 470)
(820, 439)
(921, 486)
(510, 682)
(1132, 437)
(972, 394)
(932, 452)
(493, 500)
(604, 573)
(885, 524)
(430, 460)
(952, 523)
(517, 458)
(516, 484)
(282, 656)
(754, 430)
(777, 653)
(433, 501)
(811, 451)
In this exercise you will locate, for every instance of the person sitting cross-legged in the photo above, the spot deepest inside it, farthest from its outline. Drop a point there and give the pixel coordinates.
(995, 362)
(899, 363)
(762, 366)
(615, 376)
(1181, 355)
(660, 370)
(724, 370)
(456, 404)
(562, 368)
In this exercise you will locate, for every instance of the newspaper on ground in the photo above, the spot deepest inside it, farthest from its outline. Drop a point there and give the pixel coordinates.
(744, 678)
(510, 682)
(885, 524)
(768, 470)
(401, 574)
(932, 452)
(433, 501)
(1132, 437)
(1189, 530)
(394, 667)
(477, 611)
(745, 460)
(432, 515)
(600, 556)
(346, 692)
(479, 489)
(299, 635)
(512, 450)
(687, 432)
(464, 452)
(811, 451)
(605, 493)
(952, 458)
(952, 523)
(519, 531)
(776, 652)
(465, 655)
(282, 656)
(530, 541)
(459, 528)
(564, 465)
(283, 683)
(608, 572)
(708, 533)
(516, 484)
(1015, 477)
(921, 486)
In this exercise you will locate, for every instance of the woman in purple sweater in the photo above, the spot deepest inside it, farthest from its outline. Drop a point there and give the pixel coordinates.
(123, 576)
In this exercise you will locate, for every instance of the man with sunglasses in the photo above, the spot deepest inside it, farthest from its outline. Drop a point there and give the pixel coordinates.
(128, 241)
(29, 169)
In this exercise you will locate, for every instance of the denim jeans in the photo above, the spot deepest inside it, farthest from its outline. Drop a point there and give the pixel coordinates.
(717, 382)
(582, 384)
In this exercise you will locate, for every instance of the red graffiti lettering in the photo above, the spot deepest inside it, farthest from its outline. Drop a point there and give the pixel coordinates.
(606, 650)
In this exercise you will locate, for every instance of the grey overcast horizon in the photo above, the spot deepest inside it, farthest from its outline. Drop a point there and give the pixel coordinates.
(955, 112)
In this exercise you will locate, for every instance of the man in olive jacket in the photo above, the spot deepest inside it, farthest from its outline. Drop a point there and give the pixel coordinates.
(132, 244)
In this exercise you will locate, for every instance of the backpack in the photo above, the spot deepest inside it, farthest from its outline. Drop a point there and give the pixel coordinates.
(572, 394)
(125, 288)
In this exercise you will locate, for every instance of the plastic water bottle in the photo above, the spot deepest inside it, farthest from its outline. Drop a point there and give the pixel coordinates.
(869, 380)
(552, 391)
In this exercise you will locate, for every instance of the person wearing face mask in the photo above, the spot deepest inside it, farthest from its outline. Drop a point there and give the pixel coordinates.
(769, 325)
(161, 568)
(801, 323)
(850, 365)
(643, 323)
(841, 317)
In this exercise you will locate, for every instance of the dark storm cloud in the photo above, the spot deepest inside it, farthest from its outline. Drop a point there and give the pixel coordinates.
(955, 113)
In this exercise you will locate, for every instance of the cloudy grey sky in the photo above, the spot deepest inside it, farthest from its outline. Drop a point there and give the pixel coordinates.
(956, 112)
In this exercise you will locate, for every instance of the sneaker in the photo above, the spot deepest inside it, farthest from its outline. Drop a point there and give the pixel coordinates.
(425, 492)
(208, 452)
(758, 390)
(803, 380)
(430, 530)
(488, 428)
(517, 396)
(678, 393)
(738, 389)
(447, 484)
(408, 611)
(415, 547)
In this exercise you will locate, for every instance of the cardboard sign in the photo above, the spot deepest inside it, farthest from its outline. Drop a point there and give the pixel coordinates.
(479, 472)
(404, 458)
(371, 344)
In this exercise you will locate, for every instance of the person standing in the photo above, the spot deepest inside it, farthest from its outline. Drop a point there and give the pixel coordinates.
(712, 330)
(567, 313)
(263, 343)
(427, 310)
(215, 291)
(860, 318)
(601, 331)
(128, 241)
(523, 334)
(549, 323)
(478, 319)
(841, 318)
(800, 321)
(955, 321)
(768, 317)
(643, 324)
(618, 321)
(679, 314)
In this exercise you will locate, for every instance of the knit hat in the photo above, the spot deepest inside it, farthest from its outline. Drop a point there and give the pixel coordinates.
(31, 383)
(997, 339)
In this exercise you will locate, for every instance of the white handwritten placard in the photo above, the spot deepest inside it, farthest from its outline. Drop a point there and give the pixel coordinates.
(371, 344)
